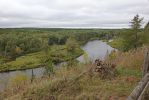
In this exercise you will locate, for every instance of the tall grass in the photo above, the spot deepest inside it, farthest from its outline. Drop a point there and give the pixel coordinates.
(64, 86)
(132, 59)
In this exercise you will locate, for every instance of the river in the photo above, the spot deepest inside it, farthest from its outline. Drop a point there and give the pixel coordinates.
(94, 49)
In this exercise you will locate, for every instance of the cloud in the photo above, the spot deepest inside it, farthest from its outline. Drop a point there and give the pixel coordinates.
(71, 13)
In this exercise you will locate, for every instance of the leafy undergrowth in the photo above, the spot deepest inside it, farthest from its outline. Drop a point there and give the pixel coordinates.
(65, 85)
(33, 60)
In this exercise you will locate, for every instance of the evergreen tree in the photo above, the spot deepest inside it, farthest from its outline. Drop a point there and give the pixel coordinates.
(131, 38)
(135, 26)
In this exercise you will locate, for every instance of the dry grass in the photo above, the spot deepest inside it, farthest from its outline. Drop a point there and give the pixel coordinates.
(132, 59)
(64, 86)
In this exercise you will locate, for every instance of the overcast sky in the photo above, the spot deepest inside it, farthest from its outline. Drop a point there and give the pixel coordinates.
(71, 13)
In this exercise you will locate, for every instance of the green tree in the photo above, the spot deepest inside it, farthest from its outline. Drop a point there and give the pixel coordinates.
(49, 67)
(145, 35)
(47, 61)
(131, 37)
(135, 26)
(71, 44)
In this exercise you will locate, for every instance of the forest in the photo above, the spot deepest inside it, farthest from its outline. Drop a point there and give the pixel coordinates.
(15, 43)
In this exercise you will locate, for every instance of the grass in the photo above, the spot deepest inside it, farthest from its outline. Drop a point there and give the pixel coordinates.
(23, 62)
(116, 43)
(33, 60)
(104, 40)
(64, 86)
(60, 54)
(1, 60)
(132, 59)
(128, 72)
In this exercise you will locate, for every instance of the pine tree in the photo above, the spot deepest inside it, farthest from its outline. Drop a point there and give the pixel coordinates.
(135, 26)
(131, 37)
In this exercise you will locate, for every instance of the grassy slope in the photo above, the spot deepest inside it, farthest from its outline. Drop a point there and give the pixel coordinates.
(34, 59)
(23, 62)
(64, 86)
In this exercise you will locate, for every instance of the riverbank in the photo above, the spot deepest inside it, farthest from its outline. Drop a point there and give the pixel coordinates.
(59, 54)
(63, 85)
(116, 43)
(34, 60)
(91, 50)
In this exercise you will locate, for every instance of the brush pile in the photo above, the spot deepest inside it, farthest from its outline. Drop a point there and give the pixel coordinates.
(104, 70)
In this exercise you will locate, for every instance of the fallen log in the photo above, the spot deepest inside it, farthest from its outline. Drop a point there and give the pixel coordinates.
(139, 88)
(141, 97)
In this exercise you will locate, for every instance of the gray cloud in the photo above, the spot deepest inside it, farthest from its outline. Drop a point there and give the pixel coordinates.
(71, 13)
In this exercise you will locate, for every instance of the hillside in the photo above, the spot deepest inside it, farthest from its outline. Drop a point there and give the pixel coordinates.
(65, 84)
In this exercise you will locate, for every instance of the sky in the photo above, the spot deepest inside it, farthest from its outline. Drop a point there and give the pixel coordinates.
(71, 13)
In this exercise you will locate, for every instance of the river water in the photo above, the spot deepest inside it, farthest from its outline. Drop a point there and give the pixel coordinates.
(94, 49)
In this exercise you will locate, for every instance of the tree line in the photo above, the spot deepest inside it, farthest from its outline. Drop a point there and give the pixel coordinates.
(17, 42)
